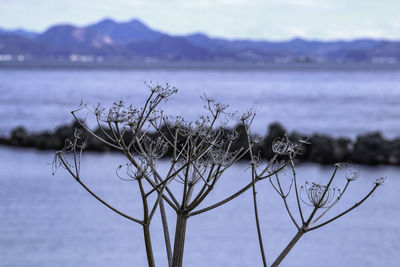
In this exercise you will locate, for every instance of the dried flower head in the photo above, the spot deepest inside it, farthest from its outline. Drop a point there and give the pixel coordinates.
(153, 148)
(162, 91)
(256, 139)
(232, 136)
(352, 174)
(256, 159)
(117, 113)
(283, 146)
(380, 181)
(341, 165)
(305, 141)
(221, 157)
(134, 173)
(318, 195)
(213, 106)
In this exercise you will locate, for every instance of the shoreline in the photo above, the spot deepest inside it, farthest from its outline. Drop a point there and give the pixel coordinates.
(228, 66)
(366, 149)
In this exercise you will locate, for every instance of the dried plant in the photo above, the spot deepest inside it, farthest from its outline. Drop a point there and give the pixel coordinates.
(199, 154)
(321, 198)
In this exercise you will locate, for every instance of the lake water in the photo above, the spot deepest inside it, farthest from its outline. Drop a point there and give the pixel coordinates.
(335, 102)
(49, 221)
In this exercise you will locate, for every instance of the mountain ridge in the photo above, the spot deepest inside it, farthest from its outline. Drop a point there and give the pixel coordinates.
(133, 40)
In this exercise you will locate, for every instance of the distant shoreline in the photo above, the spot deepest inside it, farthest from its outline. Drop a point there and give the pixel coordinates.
(202, 66)
(367, 149)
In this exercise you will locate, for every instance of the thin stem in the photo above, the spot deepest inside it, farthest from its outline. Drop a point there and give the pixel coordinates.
(253, 184)
(97, 197)
(268, 165)
(146, 226)
(193, 205)
(185, 185)
(204, 187)
(317, 206)
(284, 197)
(167, 239)
(297, 191)
(260, 241)
(159, 197)
(102, 130)
(234, 195)
(95, 135)
(152, 183)
(333, 204)
(346, 211)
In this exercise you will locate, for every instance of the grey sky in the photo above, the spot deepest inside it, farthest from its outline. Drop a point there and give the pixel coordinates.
(256, 19)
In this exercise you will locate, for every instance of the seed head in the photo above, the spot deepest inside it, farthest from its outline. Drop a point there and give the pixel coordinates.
(154, 148)
(283, 146)
(318, 195)
(352, 174)
(380, 181)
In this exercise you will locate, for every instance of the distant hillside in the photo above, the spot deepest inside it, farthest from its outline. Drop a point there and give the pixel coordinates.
(19, 32)
(133, 41)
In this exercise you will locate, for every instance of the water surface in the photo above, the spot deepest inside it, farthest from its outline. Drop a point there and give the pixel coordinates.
(333, 102)
(51, 221)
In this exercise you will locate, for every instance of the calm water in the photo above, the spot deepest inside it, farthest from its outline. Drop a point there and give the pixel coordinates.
(50, 221)
(335, 102)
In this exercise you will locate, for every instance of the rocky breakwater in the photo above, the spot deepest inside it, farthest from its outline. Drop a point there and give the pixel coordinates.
(368, 149)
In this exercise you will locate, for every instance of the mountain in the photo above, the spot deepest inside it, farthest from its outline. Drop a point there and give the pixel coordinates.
(125, 32)
(133, 40)
(16, 45)
(19, 32)
(105, 33)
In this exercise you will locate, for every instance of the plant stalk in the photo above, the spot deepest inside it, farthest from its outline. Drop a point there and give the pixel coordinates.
(289, 247)
(149, 249)
(179, 242)
(260, 241)
(166, 232)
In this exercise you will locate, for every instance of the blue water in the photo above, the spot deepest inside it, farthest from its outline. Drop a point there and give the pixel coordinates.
(51, 221)
(343, 103)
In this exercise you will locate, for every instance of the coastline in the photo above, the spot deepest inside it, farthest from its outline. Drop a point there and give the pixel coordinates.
(191, 65)
(366, 149)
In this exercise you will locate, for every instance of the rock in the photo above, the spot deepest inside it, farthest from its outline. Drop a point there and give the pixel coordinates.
(19, 133)
(305, 148)
(95, 144)
(19, 136)
(393, 152)
(48, 141)
(5, 141)
(321, 149)
(342, 150)
(275, 130)
(241, 142)
(65, 132)
(326, 150)
(370, 149)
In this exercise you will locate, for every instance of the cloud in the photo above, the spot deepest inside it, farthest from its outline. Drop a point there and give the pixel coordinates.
(307, 3)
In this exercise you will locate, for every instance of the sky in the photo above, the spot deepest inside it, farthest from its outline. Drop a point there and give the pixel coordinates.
(244, 19)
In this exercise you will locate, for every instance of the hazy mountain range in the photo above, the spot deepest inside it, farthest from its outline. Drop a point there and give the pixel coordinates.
(109, 40)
